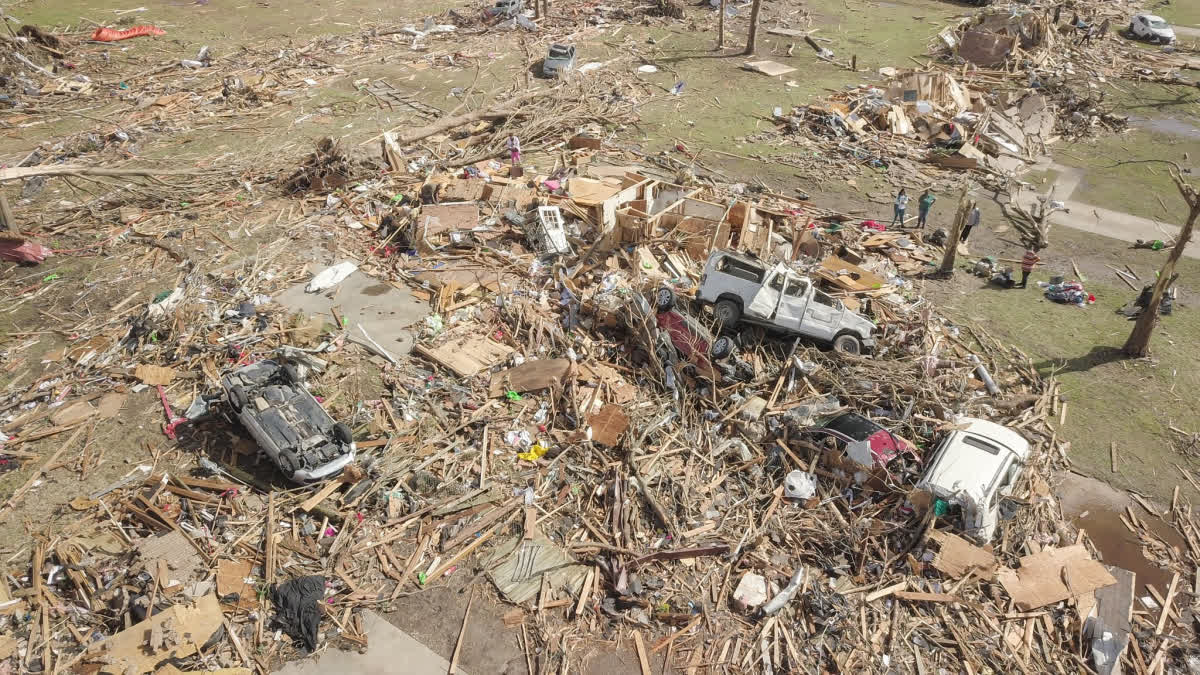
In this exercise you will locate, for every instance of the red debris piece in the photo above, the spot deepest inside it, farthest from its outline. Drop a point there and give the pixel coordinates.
(23, 251)
(103, 34)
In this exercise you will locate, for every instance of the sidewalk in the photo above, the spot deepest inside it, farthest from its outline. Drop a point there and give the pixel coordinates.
(1106, 222)
(391, 651)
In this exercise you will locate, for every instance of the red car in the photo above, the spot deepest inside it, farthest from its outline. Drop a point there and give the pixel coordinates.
(681, 334)
(852, 429)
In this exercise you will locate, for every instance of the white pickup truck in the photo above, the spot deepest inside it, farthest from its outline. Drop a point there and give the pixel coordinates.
(742, 288)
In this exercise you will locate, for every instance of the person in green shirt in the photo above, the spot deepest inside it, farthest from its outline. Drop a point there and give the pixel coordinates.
(923, 205)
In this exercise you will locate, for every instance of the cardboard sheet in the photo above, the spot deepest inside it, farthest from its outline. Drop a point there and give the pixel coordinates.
(1052, 576)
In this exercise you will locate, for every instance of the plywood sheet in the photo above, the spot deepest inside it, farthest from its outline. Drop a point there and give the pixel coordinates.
(175, 633)
(956, 556)
(848, 276)
(466, 355)
(771, 68)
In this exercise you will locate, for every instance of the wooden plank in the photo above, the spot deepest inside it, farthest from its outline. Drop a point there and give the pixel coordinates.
(311, 503)
(641, 652)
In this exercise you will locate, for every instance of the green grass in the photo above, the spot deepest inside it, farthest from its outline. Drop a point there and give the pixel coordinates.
(1181, 12)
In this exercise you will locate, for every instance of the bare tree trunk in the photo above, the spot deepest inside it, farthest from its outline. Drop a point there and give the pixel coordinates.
(960, 218)
(721, 27)
(1138, 344)
(752, 38)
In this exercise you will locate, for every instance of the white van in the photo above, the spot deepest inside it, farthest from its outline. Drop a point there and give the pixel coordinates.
(971, 469)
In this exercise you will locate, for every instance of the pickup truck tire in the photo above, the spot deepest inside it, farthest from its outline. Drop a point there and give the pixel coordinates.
(727, 312)
(847, 344)
(238, 398)
(722, 347)
(664, 299)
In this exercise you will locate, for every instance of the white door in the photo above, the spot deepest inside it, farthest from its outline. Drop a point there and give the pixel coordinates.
(793, 304)
(766, 300)
(821, 316)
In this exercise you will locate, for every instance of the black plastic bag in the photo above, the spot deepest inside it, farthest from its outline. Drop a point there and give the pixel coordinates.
(298, 608)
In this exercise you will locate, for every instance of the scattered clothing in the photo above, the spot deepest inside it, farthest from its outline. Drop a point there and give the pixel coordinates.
(1071, 293)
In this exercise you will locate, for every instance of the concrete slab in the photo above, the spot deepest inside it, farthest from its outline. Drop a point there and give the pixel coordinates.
(383, 310)
(391, 651)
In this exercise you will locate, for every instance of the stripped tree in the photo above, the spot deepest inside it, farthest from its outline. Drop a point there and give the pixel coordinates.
(1138, 344)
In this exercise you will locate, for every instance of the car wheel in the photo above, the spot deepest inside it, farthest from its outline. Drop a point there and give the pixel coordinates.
(664, 299)
(289, 463)
(727, 312)
(847, 344)
(722, 347)
(291, 373)
(342, 433)
(238, 398)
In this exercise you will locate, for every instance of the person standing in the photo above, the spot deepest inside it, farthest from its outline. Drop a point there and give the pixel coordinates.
(972, 221)
(514, 149)
(923, 205)
(1031, 258)
(898, 207)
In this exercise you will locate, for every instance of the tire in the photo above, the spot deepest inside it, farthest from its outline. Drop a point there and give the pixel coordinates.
(289, 463)
(721, 347)
(847, 344)
(727, 312)
(291, 373)
(664, 299)
(342, 433)
(238, 398)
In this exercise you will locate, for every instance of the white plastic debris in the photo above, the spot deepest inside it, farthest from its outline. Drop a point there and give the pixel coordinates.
(799, 485)
(331, 277)
(751, 592)
(647, 69)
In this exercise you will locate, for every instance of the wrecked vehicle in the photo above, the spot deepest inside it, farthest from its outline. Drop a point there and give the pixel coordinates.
(742, 288)
(1151, 28)
(969, 471)
(865, 441)
(678, 339)
(559, 61)
(303, 440)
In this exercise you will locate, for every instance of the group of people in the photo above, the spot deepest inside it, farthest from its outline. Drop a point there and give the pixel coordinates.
(924, 204)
